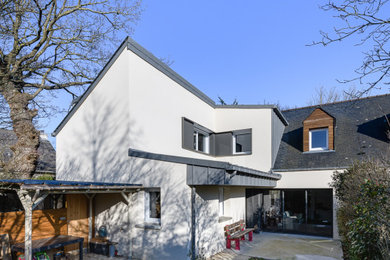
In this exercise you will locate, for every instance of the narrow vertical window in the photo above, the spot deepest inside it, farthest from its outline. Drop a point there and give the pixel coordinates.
(201, 141)
(221, 205)
(153, 206)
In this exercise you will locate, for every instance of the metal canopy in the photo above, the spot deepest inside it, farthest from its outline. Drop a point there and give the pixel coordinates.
(51, 186)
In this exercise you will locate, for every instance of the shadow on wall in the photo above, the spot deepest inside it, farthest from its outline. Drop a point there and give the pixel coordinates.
(173, 239)
(294, 138)
(97, 150)
(97, 147)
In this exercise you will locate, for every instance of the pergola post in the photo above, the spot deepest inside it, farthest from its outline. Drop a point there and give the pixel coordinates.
(128, 202)
(29, 201)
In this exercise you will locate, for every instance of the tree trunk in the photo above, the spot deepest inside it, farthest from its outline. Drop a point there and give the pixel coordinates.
(25, 154)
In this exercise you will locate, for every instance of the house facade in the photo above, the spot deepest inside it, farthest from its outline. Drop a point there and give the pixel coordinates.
(318, 141)
(202, 166)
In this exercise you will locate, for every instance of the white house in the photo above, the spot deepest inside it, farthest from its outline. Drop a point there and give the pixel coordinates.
(202, 165)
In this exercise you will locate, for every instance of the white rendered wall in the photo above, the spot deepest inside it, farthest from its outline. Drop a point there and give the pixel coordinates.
(93, 145)
(228, 119)
(172, 239)
(136, 106)
(311, 180)
(157, 105)
(210, 235)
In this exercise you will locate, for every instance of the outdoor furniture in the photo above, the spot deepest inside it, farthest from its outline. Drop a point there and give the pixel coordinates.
(102, 246)
(45, 244)
(237, 232)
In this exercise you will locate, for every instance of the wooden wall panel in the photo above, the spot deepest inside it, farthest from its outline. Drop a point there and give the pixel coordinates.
(46, 223)
(77, 206)
(318, 119)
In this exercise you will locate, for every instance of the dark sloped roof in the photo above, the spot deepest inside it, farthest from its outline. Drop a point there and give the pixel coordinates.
(47, 154)
(360, 132)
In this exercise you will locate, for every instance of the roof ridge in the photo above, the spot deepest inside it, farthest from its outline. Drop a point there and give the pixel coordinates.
(336, 102)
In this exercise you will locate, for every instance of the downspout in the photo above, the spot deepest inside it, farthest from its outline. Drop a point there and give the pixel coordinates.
(193, 222)
(128, 201)
(90, 215)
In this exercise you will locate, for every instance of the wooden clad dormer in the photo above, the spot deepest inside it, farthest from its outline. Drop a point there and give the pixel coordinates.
(316, 126)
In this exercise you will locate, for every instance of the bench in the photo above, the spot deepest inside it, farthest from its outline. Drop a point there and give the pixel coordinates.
(237, 232)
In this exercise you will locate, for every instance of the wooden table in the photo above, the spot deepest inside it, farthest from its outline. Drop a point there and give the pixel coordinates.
(44, 244)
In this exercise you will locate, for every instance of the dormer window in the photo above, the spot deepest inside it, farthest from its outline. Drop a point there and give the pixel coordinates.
(319, 139)
(318, 131)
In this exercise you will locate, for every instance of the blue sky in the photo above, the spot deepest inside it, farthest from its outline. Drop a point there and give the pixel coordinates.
(253, 51)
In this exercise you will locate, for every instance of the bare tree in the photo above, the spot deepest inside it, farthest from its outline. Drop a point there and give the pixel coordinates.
(222, 102)
(368, 21)
(48, 45)
(323, 95)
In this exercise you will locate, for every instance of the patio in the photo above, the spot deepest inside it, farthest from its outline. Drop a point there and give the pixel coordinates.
(284, 246)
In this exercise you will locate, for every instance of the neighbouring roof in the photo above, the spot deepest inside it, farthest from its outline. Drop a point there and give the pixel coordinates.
(47, 155)
(130, 44)
(360, 132)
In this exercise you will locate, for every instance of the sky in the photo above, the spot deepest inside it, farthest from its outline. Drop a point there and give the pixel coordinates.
(253, 51)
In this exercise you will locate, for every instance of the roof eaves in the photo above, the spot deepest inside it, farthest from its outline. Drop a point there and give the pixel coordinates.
(161, 66)
(275, 109)
(311, 169)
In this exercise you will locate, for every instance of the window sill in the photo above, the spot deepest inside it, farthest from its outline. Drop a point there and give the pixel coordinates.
(154, 226)
(243, 153)
(319, 151)
(222, 219)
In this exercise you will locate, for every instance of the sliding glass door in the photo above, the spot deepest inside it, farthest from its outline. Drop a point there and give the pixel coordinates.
(304, 211)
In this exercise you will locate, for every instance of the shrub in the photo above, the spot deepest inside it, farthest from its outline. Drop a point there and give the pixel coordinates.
(363, 191)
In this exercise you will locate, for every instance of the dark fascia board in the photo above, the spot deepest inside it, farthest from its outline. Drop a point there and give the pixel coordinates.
(201, 162)
(91, 87)
(310, 169)
(161, 66)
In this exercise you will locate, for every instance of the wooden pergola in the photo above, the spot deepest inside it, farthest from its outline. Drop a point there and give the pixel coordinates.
(32, 192)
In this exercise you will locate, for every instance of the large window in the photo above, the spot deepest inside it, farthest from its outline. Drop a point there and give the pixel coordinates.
(318, 139)
(153, 206)
(304, 211)
(242, 143)
(201, 141)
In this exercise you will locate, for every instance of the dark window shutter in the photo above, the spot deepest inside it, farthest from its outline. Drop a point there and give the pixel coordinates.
(188, 135)
(224, 144)
(212, 144)
(244, 141)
